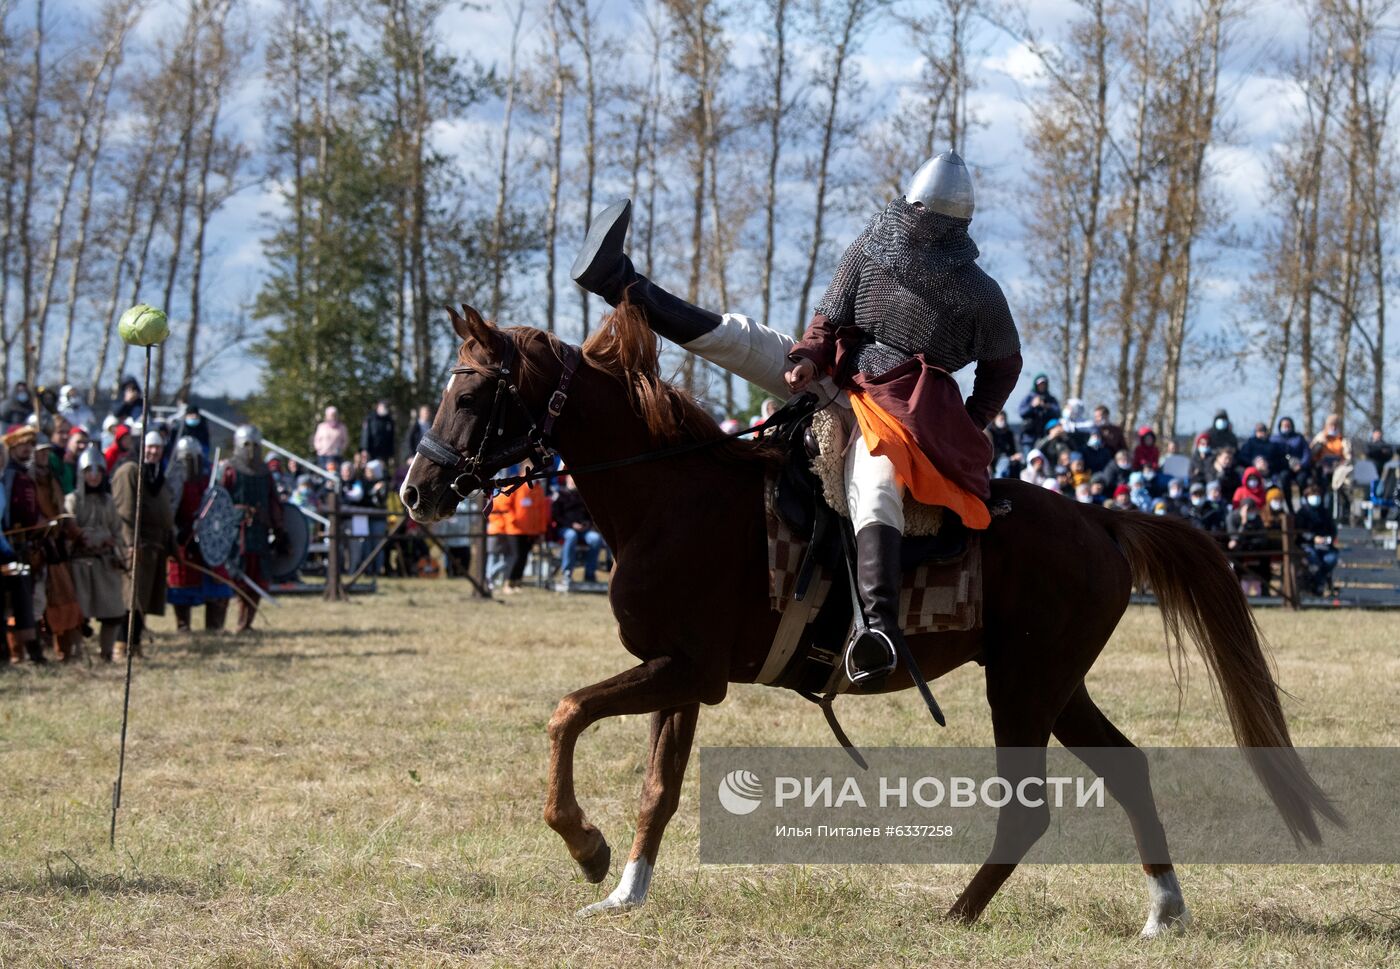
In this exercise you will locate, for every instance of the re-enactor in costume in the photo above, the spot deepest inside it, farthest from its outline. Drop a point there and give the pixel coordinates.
(907, 307)
(254, 492)
(156, 539)
(193, 581)
(99, 562)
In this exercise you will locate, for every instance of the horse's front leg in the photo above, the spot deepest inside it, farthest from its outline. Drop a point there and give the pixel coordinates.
(657, 684)
(672, 735)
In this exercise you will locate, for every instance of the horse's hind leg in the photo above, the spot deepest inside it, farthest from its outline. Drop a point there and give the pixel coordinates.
(1020, 754)
(672, 734)
(654, 685)
(1083, 727)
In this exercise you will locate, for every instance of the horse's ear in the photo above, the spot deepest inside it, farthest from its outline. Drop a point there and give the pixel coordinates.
(470, 326)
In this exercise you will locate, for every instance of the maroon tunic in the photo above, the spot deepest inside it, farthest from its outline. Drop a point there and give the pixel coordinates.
(925, 400)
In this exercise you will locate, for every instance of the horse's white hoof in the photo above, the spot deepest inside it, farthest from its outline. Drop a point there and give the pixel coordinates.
(631, 891)
(1167, 911)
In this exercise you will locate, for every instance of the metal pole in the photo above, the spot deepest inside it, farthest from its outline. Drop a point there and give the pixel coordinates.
(131, 598)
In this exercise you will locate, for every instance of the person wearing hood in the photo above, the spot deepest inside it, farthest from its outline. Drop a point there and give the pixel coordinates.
(1220, 434)
(1038, 409)
(1202, 459)
(1252, 488)
(190, 580)
(193, 425)
(148, 550)
(62, 614)
(1138, 493)
(1078, 424)
(1146, 454)
(121, 449)
(1037, 469)
(1330, 448)
(1292, 442)
(99, 561)
(75, 410)
(19, 406)
(1096, 454)
(129, 406)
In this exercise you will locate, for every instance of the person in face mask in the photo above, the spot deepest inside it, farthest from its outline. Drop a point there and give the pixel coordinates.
(1176, 496)
(1096, 455)
(1205, 514)
(1146, 454)
(1317, 534)
(1220, 434)
(1003, 443)
(193, 424)
(1138, 493)
(1117, 472)
(75, 410)
(1274, 508)
(1122, 498)
(1251, 488)
(19, 406)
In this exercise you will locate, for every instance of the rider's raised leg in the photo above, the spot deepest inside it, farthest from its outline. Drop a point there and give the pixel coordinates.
(875, 499)
(736, 343)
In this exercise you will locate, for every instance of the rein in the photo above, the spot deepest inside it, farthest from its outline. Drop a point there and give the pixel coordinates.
(473, 473)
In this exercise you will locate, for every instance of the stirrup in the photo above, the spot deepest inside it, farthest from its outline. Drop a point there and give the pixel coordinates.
(879, 639)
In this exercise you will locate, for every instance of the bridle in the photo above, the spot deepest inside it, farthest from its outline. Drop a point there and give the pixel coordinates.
(470, 472)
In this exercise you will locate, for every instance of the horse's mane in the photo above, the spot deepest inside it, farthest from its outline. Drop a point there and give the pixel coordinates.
(626, 348)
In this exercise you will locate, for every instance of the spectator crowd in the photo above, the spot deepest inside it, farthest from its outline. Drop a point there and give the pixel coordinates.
(1238, 486)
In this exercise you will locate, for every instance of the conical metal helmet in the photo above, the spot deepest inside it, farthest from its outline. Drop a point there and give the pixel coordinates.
(91, 458)
(944, 185)
(188, 447)
(246, 435)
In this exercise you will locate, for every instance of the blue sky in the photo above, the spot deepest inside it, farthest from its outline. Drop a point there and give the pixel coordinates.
(1257, 110)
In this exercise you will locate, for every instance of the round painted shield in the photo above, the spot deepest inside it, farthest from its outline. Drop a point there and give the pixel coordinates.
(216, 526)
(296, 541)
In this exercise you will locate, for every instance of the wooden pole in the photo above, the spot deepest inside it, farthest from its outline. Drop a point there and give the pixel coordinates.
(1289, 579)
(334, 592)
(479, 551)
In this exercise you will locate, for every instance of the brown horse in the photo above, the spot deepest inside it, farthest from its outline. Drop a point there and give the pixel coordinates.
(695, 638)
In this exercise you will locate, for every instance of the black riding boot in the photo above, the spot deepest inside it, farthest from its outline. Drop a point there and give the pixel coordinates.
(871, 656)
(603, 268)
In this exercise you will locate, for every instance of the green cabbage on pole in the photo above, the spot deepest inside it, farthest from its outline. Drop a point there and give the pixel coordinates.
(143, 326)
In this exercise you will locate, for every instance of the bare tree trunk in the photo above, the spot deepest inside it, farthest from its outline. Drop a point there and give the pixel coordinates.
(579, 24)
(1090, 219)
(498, 225)
(202, 211)
(556, 165)
(26, 237)
(776, 110)
(1128, 296)
(88, 107)
(836, 58)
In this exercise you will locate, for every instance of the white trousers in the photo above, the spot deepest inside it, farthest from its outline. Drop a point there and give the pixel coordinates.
(759, 355)
(873, 492)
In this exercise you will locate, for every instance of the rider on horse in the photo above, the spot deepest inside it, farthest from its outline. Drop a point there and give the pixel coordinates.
(908, 307)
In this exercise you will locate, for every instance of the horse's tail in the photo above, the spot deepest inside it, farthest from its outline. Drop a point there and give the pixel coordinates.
(1199, 595)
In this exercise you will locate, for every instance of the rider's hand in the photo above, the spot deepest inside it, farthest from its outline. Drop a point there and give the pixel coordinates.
(801, 374)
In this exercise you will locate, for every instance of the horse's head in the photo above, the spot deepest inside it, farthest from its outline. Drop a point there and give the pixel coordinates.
(495, 411)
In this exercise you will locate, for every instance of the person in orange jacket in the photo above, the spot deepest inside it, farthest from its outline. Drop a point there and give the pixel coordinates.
(516, 522)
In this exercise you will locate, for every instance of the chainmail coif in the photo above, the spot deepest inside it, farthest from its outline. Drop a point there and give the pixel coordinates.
(910, 282)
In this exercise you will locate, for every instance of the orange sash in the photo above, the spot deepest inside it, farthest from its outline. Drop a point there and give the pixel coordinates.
(887, 437)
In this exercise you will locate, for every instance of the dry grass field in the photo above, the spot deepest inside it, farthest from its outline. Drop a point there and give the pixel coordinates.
(362, 785)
